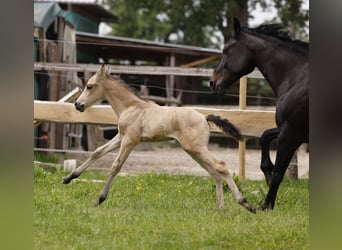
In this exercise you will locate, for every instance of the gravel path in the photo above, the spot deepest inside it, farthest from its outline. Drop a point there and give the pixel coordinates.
(171, 159)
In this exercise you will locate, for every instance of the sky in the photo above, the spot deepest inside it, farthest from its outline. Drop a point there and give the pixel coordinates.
(261, 16)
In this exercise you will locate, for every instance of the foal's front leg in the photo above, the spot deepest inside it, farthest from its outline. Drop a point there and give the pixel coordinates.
(99, 152)
(126, 147)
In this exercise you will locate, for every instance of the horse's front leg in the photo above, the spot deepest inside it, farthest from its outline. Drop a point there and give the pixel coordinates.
(99, 152)
(126, 147)
(266, 163)
(288, 143)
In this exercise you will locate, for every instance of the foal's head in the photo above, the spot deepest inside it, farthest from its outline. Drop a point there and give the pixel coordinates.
(93, 91)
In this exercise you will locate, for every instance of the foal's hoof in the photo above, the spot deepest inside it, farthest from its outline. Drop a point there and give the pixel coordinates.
(243, 202)
(249, 207)
(99, 200)
(66, 180)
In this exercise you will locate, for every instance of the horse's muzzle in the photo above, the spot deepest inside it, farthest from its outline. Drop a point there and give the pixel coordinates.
(215, 88)
(212, 86)
(211, 83)
(79, 107)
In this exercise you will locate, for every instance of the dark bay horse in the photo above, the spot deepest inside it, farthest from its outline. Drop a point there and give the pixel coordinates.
(285, 65)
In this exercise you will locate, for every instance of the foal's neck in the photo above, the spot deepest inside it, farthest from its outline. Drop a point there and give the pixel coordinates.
(119, 96)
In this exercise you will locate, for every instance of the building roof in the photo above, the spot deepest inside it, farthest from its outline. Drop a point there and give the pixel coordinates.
(45, 13)
(136, 49)
(88, 9)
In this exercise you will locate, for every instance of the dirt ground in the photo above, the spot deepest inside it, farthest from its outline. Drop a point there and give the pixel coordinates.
(168, 157)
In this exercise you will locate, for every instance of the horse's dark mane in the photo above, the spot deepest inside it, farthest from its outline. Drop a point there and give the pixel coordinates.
(277, 31)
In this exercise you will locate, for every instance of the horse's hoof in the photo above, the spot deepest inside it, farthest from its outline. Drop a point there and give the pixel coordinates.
(266, 207)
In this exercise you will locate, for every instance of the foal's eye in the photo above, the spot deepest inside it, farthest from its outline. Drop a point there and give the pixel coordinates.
(89, 86)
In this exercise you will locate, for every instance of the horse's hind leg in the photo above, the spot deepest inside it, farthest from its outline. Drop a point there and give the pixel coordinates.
(98, 153)
(266, 163)
(288, 143)
(218, 170)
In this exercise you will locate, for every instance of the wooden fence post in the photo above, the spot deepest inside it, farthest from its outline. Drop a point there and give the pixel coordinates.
(242, 144)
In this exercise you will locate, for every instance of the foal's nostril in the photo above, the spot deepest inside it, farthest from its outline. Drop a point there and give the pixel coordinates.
(211, 83)
(79, 107)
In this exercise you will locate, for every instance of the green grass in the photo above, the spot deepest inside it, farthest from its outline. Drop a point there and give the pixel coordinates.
(164, 212)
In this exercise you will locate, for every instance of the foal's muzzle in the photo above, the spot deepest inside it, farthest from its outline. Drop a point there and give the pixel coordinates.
(79, 107)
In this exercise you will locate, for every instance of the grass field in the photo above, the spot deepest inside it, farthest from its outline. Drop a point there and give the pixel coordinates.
(164, 212)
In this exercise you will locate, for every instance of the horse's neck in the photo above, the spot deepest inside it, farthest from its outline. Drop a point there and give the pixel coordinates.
(276, 64)
(119, 97)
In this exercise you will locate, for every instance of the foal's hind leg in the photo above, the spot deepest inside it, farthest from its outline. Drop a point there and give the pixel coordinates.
(99, 152)
(216, 176)
(218, 170)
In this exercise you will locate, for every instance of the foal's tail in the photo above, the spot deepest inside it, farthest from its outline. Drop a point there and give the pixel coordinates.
(226, 126)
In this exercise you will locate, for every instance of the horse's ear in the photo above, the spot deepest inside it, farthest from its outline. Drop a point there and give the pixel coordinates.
(237, 26)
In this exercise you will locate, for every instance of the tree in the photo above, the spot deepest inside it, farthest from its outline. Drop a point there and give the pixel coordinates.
(204, 23)
(190, 22)
(293, 17)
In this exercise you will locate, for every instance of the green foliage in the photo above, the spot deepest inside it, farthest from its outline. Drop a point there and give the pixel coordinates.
(45, 157)
(200, 23)
(293, 17)
(182, 21)
(164, 212)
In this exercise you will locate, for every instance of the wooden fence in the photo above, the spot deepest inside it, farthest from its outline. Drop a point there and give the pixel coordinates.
(250, 122)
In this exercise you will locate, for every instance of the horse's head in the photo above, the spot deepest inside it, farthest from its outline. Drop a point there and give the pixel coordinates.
(93, 91)
(237, 60)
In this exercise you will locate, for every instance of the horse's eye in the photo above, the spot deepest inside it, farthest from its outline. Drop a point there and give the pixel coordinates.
(89, 86)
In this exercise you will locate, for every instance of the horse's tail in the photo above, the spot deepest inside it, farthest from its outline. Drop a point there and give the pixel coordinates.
(226, 126)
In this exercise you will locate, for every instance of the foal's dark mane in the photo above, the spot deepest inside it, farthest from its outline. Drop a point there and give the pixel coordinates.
(277, 31)
(124, 84)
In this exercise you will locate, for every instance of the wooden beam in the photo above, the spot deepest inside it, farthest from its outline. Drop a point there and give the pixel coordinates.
(135, 70)
(66, 113)
(201, 61)
(72, 95)
(250, 122)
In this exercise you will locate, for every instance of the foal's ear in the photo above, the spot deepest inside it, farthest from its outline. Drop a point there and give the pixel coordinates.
(101, 72)
(108, 70)
(237, 26)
